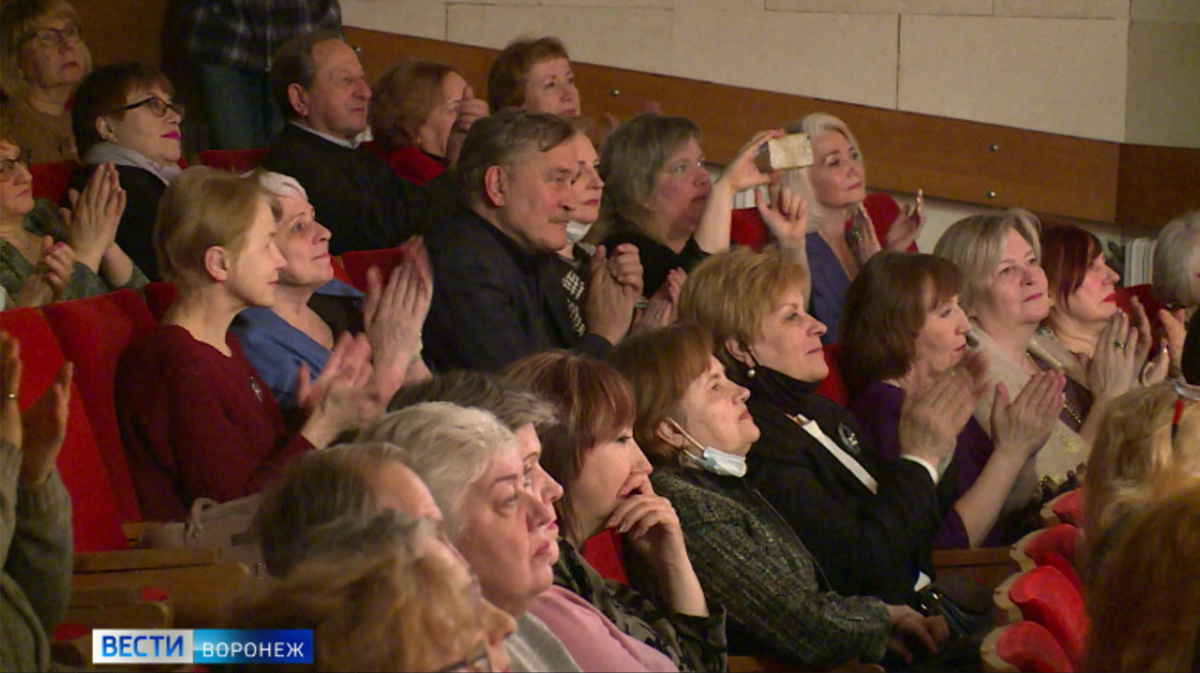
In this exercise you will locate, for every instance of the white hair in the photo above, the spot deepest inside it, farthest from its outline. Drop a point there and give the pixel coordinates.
(280, 185)
(797, 178)
(449, 447)
(1176, 257)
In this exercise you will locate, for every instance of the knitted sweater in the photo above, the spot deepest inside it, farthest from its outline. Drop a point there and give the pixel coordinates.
(35, 548)
(749, 560)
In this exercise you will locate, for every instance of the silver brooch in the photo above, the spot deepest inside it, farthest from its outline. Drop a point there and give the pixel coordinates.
(849, 439)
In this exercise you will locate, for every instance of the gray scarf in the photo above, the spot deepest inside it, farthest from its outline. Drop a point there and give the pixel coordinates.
(105, 151)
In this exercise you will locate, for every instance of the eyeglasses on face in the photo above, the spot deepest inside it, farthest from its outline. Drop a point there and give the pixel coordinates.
(9, 166)
(54, 37)
(157, 105)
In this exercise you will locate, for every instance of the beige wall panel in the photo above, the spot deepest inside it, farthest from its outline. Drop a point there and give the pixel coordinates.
(645, 4)
(1056, 75)
(1164, 84)
(419, 18)
(850, 58)
(943, 7)
(728, 5)
(1166, 10)
(638, 39)
(1064, 9)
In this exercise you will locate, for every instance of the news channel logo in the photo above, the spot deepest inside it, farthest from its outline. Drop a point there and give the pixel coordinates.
(202, 646)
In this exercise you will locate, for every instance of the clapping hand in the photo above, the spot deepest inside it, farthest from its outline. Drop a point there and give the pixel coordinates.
(907, 226)
(94, 215)
(864, 242)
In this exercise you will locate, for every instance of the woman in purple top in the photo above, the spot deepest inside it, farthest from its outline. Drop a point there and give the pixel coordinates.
(903, 328)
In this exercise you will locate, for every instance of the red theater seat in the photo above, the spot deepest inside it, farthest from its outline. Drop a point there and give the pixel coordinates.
(357, 262)
(1025, 647)
(1066, 508)
(1054, 546)
(1044, 595)
(159, 296)
(94, 332)
(237, 161)
(51, 180)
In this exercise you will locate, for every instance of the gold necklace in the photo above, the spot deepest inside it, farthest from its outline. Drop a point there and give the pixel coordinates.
(1066, 400)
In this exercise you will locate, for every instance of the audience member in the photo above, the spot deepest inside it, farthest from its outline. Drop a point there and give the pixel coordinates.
(499, 295)
(903, 330)
(1082, 287)
(877, 520)
(660, 198)
(42, 60)
(843, 234)
(211, 426)
(47, 253)
(312, 309)
(535, 75)
(124, 115)
(1148, 448)
(504, 528)
(694, 426)
(605, 479)
(1145, 612)
(381, 594)
(1177, 285)
(319, 86)
(231, 44)
(1006, 296)
(420, 115)
(35, 516)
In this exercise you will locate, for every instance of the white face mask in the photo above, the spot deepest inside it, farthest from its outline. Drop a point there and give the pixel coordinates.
(714, 460)
(577, 230)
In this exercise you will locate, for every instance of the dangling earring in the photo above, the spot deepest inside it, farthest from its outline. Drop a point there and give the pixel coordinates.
(753, 362)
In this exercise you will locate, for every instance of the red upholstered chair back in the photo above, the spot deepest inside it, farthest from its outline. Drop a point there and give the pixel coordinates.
(1069, 507)
(1044, 595)
(159, 296)
(746, 227)
(1062, 539)
(94, 332)
(1026, 647)
(603, 552)
(357, 262)
(50, 180)
(237, 161)
(339, 270)
(95, 519)
(834, 386)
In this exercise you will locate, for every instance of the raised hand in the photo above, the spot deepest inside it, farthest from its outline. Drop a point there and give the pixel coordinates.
(339, 399)
(648, 521)
(786, 216)
(931, 417)
(742, 173)
(864, 243)
(663, 308)
(907, 226)
(393, 316)
(625, 266)
(608, 303)
(1021, 428)
(467, 111)
(94, 215)
(1114, 366)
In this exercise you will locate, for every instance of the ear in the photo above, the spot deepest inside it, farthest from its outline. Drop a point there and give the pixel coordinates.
(105, 130)
(298, 98)
(669, 433)
(495, 186)
(217, 262)
(740, 351)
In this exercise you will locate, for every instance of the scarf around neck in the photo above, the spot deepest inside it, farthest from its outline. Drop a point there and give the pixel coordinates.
(105, 151)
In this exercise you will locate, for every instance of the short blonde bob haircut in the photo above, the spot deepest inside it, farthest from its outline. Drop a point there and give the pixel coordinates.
(1135, 461)
(1145, 612)
(733, 292)
(660, 365)
(814, 125)
(18, 22)
(202, 208)
(1177, 261)
(372, 598)
(976, 245)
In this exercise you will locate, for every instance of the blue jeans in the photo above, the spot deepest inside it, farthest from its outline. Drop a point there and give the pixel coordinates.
(238, 107)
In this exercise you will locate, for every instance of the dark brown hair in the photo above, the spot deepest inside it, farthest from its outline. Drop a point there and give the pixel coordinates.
(660, 365)
(106, 89)
(886, 306)
(498, 139)
(294, 64)
(595, 403)
(510, 71)
(403, 98)
(1067, 252)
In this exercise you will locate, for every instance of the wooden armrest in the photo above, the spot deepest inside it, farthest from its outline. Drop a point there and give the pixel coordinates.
(986, 565)
(757, 663)
(135, 529)
(139, 559)
(198, 593)
(135, 615)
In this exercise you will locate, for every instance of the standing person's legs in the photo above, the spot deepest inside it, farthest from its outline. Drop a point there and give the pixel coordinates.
(236, 106)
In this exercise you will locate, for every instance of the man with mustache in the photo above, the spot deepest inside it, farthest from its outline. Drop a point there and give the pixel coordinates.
(498, 294)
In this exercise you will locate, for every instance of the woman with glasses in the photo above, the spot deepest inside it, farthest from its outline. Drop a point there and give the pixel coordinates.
(42, 60)
(125, 114)
(47, 253)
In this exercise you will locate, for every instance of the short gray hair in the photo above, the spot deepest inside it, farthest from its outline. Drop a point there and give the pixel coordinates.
(1176, 258)
(315, 489)
(516, 407)
(976, 245)
(449, 447)
(814, 125)
(280, 185)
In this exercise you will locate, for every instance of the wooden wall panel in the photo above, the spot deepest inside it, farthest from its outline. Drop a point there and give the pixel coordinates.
(1157, 184)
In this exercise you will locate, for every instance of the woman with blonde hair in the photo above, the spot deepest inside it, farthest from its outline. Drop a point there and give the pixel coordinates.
(196, 419)
(1145, 605)
(42, 59)
(385, 594)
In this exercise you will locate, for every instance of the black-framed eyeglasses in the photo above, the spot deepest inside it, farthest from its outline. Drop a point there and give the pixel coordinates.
(9, 166)
(476, 664)
(157, 105)
(54, 37)
(1184, 393)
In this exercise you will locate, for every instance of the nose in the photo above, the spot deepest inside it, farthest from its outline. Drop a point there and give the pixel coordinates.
(741, 393)
(638, 462)
(323, 233)
(538, 513)
(818, 328)
(277, 257)
(21, 174)
(364, 90)
(548, 488)
(1113, 276)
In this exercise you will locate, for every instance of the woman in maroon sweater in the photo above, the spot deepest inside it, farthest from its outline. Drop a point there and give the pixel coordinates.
(196, 419)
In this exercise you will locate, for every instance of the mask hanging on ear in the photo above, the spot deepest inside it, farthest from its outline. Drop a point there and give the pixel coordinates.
(713, 460)
(577, 230)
